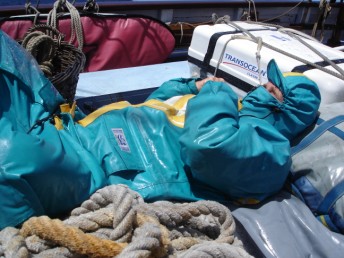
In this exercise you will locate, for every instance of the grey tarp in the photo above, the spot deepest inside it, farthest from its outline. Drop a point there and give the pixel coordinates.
(285, 227)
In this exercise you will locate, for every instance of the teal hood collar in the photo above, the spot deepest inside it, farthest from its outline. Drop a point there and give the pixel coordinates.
(301, 100)
(15, 60)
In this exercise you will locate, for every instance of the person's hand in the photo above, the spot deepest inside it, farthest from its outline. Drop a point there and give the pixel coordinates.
(200, 84)
(274, 91)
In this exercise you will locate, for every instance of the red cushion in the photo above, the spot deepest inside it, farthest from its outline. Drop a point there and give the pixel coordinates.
(114, 41)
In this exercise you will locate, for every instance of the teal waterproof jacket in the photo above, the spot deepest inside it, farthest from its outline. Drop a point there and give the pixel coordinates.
(42, 170)
(246, 154)
(180, 144)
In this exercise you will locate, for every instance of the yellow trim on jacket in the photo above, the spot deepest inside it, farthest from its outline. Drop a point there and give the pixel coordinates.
(172, 112)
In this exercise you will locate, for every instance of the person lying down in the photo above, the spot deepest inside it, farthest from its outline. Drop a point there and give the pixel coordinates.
(192, 139)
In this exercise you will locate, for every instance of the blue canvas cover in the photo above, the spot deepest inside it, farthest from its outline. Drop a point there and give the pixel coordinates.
(318, 166)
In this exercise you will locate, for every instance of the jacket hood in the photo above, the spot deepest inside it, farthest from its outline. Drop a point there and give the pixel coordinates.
(301, 100)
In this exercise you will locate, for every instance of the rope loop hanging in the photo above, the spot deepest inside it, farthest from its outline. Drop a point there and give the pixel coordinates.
(29, 9)
(59, 8)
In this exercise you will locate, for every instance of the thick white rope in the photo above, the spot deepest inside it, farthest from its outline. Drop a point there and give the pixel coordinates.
(12, 244)
(159, 229)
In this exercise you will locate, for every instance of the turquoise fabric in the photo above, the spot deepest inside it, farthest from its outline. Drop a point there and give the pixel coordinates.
(246, 154)
(42, 171)
(297, 111)
(149, 162)
(220, 154)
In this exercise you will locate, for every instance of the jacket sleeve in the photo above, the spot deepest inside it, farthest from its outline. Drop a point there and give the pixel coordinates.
(175, 87)
(244, 158)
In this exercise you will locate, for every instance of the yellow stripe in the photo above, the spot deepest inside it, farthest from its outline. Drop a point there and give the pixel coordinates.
(323, 221)
(292, 74)
(170, 111)
(180, 103)
(179, 120)
(72, 110)
(240, 104)
(64, 108)
(94, 115)
(156, 104)
(58, 123)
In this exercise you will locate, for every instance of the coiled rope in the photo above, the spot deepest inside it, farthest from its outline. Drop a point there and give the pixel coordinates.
(60, 61)
(43, 48)
(115, 221)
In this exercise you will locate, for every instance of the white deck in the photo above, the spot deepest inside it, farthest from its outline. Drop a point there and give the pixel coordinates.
(133, 78)
(128, 79)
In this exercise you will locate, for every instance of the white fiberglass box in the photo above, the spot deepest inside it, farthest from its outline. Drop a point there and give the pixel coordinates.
(231, 51)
